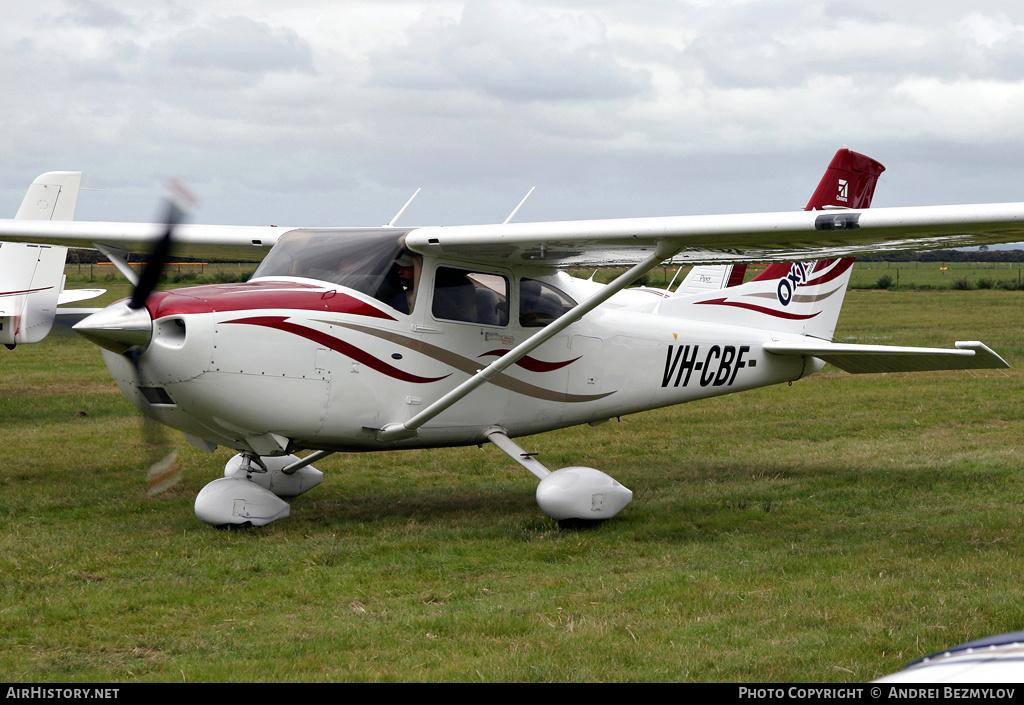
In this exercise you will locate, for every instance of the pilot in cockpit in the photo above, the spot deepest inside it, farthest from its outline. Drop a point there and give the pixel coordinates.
(405, 268)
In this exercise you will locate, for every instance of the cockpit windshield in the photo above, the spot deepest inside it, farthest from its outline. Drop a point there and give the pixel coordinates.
(358, 259)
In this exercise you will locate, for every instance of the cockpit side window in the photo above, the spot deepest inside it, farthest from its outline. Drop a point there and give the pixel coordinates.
(540, 303)
(470, 297)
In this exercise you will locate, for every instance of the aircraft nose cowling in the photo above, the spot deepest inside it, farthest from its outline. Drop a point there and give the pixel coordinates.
(118, 328)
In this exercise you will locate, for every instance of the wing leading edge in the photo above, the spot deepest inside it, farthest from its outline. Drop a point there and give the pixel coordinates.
(709, 239)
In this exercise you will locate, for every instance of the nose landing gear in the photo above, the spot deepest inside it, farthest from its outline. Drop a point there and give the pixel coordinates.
(250, 492)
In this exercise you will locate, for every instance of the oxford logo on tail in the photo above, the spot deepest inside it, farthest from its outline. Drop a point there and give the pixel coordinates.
(798, 274)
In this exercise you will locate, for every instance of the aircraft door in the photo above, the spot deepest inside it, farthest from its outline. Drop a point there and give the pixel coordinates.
(463, 325)
(543, 376)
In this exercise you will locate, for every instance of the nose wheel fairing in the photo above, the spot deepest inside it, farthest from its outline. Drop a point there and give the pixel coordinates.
(250, 492)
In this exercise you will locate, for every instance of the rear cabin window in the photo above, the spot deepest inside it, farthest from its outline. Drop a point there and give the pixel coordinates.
(540, 303)
(470, 297)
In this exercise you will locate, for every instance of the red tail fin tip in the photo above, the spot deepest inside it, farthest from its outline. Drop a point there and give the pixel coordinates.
(849, 182)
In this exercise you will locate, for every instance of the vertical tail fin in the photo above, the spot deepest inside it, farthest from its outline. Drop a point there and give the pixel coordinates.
(52, 196)
(31, 280)
(32, 276)
(791, 297)
(849, 182)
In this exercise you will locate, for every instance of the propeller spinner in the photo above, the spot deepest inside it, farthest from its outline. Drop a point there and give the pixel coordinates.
(127, 326)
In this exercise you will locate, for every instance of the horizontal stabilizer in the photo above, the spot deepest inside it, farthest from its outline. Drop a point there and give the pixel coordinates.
(862, 359)
(70, 296)
(77, 311)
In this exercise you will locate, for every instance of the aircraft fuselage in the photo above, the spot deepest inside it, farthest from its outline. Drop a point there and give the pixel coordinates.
(286, 362)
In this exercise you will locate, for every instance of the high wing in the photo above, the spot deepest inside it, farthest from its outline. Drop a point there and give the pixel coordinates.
(722, 239)
(711, 239)
(235, 242)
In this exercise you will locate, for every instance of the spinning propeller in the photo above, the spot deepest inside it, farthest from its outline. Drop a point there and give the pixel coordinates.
(126, 328)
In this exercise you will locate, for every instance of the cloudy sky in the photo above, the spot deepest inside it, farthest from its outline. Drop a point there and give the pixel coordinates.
(334, 112)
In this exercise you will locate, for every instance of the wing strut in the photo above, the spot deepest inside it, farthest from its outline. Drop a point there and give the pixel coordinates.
(401, 431)
(116, 257)
(308, 460)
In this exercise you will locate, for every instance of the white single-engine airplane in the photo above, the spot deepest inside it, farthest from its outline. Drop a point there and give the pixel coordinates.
(363, 339)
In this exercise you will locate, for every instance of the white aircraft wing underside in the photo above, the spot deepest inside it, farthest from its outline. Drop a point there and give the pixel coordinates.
(722, 239)
(234, 242)
(711, 239)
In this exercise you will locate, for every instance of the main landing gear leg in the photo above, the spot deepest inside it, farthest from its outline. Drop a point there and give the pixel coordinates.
(575, 496)
(250, 492)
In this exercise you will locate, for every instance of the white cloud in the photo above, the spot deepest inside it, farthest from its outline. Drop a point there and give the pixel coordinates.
(511, 52)
(238, 45)
(333, 113)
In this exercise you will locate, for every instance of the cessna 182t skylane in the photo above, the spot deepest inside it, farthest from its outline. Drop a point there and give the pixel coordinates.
(361, 339)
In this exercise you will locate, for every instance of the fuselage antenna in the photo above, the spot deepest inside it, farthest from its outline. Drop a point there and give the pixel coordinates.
(668, 291)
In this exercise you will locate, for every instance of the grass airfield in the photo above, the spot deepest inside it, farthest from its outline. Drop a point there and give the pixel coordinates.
(832, 530)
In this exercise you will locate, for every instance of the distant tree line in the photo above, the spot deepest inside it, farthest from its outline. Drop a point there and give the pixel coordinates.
(82, 255)
(947, 256)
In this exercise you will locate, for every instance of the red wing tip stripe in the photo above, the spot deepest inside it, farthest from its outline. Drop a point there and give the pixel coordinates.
(736, 275)
(533, 364)
(761, 309)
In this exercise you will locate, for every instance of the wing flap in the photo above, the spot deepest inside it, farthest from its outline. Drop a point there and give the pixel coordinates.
(864, 359)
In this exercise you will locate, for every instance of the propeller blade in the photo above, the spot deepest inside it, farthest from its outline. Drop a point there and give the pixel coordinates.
(157, 259)
(180, 200)
(164, 471)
